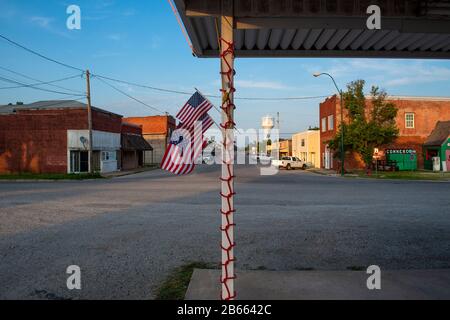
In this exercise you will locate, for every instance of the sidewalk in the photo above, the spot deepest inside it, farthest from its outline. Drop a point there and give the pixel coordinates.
(324, 172)
(323, 285)
(127, 172)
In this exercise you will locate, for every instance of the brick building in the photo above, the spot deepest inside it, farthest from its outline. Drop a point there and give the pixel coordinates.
(416, 119)
(133, 147)
(284, 147)
(53, 137)
(157, 131)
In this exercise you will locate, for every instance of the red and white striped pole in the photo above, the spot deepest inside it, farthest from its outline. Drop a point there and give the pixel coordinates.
(226, 48)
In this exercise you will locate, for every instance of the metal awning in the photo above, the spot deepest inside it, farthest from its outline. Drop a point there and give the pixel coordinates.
(132, 142)
(322, 28)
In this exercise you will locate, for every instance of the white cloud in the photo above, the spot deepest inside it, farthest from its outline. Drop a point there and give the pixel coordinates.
(98, 55)
(129, 12)
(114, 37)
(46, 23)
(388, 73)
(43, 22)
(105, 4)
(256, 84)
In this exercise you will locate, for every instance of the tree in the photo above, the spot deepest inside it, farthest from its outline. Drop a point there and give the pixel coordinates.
(369, 125)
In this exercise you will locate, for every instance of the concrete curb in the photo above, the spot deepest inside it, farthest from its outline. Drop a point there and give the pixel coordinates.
(127, 173)
(324, 285)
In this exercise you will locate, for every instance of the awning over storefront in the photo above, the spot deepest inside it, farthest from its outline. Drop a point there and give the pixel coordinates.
(132, 142)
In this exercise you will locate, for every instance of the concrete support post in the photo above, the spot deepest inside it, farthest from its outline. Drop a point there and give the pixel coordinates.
(227, 175)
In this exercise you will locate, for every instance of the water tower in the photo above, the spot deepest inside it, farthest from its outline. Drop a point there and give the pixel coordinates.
(267, 123)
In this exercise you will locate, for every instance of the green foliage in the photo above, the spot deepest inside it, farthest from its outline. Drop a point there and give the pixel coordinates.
(369, 125)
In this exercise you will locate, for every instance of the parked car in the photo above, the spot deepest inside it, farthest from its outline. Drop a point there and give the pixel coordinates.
(289, 163)
(209, 159)
(261, 158)
(264, 159)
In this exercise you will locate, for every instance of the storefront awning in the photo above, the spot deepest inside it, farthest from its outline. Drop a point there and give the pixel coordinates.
(133, 142)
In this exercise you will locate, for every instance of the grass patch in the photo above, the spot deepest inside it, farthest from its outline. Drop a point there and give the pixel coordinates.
(407, 175)
(304, 269)
(176, 284)
(261, 268)
(356, 268)
(50, 176)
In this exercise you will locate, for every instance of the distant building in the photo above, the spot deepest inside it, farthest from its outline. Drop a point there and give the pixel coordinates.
(306, 147)
(438, 145)
(133, 147)
(157, 131)
(53, 137)
(416, 118)
(284, 147)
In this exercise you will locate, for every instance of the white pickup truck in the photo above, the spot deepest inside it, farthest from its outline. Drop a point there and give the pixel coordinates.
(289, 163)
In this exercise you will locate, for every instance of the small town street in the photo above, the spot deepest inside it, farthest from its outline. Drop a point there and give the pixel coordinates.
(127, 233)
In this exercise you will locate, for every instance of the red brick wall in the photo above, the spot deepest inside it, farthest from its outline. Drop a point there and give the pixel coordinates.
(36, 140)
(327, 108)
(153, 124)
(426, 114)
(108, 122)
(131, 128)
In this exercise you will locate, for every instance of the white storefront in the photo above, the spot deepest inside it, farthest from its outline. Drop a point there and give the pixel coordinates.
(105, 145)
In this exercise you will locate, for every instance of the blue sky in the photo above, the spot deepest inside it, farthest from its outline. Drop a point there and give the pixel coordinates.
(140, 41)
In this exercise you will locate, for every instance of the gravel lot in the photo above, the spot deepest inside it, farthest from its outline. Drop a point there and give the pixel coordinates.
(129, 232)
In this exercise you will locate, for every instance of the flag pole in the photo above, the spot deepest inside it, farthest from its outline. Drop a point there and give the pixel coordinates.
(227, 175)
(206, 98)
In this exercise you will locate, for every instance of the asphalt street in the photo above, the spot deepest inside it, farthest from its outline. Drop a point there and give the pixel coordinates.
(128, 233)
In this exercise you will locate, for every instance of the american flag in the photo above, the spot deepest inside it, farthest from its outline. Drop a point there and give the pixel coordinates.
(194, 108)
(186, 145)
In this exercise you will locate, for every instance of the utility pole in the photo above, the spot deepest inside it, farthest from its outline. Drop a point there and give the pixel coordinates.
(89, 111)
(279, 135)
(278, 122)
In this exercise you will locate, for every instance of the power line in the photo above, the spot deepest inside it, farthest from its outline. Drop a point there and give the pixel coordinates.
(38, 54)
(41, 83)
(156, 88)
(143, 85)
(209, 95)
(34, 79)
(37, 88)
(282, 98)
(129, 96)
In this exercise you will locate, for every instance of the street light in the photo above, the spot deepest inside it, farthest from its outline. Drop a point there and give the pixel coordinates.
(318, 74)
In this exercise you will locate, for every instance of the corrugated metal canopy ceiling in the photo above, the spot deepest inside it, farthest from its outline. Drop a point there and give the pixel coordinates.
(326, 28)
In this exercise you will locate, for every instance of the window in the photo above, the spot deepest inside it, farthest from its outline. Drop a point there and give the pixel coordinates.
(324, 124)
(108, 155)
(79, 161)
(330, 122)
(409, 120)
(303, 142)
